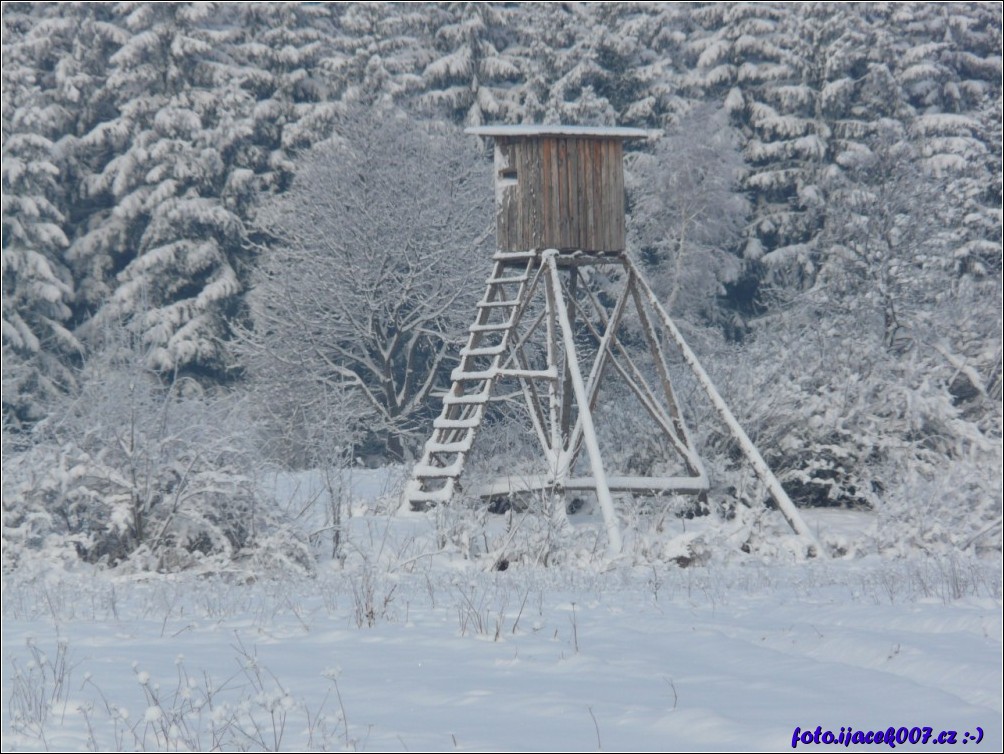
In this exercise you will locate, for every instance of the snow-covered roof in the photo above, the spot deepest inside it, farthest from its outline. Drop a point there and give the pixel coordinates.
(559, 130)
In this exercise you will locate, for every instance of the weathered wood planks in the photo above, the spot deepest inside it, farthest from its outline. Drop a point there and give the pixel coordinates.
(560, 192)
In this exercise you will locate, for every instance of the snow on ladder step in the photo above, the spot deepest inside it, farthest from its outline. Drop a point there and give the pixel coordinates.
(507, 256)
(427, 471)
(459, 375)
(495, 304)
(490, 374)
(435, 472)
(472, 423)
(503, 281)
(460, 446)
(465, 400)
(492, 327)
(529, 374)
(482, 350)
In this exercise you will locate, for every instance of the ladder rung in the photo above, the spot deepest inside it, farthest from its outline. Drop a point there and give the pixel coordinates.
(528, 374)
(491, 374)
(507, 256)
(482, 350)
(461, 446)
(501, 281)
(494, 304)
(433, 472)
(491, 328)
(441, 423)
(461, 400)
(459, 374)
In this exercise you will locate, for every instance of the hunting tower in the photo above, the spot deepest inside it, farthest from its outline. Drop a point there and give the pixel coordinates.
(566, 312)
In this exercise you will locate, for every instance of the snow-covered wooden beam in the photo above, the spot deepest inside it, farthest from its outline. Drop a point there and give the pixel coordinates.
(541, 483)
(614, 542)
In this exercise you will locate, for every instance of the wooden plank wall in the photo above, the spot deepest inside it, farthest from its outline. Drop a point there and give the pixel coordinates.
(568, 194)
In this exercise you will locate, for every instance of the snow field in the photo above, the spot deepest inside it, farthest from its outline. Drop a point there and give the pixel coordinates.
(402, 648)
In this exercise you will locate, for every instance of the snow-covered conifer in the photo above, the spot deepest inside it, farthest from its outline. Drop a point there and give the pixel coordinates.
(382, 50)
(473, 77)
(38, 287)
(172, 239)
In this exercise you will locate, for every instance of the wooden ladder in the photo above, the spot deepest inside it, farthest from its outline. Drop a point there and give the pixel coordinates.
(434, 479)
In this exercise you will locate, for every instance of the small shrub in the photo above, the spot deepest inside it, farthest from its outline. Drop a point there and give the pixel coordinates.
(135, 471)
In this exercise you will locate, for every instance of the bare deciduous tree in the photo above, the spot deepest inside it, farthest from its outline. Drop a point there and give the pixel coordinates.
(381, 245)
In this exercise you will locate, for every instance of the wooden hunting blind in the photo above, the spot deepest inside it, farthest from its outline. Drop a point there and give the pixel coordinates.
(545, 333)
(560, 187)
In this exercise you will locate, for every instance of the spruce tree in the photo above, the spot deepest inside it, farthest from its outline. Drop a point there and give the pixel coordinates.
(38, 286)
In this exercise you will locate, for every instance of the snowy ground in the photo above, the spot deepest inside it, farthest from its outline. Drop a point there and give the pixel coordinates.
(409, 648)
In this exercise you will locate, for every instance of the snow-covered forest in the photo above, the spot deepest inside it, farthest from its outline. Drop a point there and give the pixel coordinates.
(242, 243)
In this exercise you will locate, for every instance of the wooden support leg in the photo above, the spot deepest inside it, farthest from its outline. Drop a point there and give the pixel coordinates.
(614, 541)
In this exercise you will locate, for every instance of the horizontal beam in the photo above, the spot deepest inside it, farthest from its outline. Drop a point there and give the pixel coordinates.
(537, 483)
(564, 257)
(527, 131)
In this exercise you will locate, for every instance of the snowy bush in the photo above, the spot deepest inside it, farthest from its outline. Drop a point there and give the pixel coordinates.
(133, 471)
(844, 422)
(942, 511)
